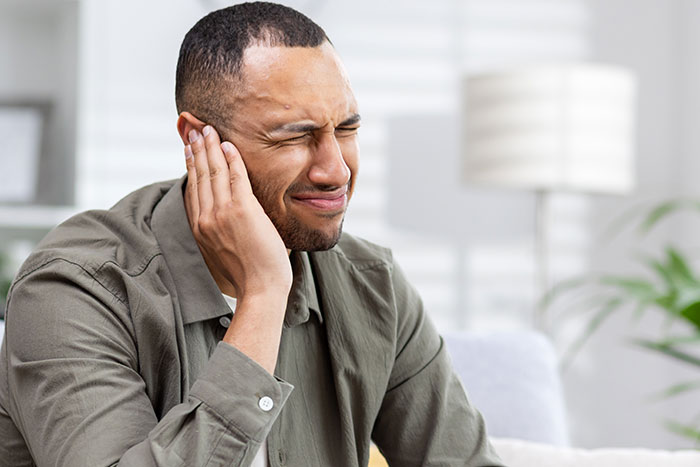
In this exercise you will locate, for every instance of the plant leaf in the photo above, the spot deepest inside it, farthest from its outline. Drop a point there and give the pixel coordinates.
(661, 270)
(679, 340)
(583, 306)
(676, 389)
(4, 288)
(639, 311)
(640, 289)
(620, 222)
(668, 350)
(663, 210)
(678, 267)
(562, 288)
(686, 431)
(692, 314)
(595, 322)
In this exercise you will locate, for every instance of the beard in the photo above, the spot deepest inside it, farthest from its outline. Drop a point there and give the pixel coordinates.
(300, 237)
(295, 234)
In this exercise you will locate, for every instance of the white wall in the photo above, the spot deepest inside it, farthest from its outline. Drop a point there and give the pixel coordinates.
(127, 135)
(610, 383)
(689, 79)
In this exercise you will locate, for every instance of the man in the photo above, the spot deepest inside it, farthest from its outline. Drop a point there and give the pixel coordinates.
(121, 346)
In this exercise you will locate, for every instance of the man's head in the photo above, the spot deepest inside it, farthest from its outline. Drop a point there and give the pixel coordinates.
(267, 78)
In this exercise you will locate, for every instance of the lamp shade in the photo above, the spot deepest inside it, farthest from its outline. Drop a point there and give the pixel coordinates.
(565, 127)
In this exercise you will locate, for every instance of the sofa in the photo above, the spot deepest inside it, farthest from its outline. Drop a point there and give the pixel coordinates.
(520, 453)
(513, 378)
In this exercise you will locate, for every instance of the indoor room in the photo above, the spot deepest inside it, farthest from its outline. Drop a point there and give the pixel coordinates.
(530, 164)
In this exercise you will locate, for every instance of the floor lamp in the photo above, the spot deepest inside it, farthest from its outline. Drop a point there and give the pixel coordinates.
(550, 128)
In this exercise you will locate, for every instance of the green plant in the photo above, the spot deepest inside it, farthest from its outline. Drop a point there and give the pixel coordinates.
(666, 284)
(5, 282)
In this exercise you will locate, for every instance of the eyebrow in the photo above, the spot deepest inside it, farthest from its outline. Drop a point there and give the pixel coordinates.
(305, 127)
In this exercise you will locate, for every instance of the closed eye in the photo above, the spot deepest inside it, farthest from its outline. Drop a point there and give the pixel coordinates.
(296, 138)
(346, 131)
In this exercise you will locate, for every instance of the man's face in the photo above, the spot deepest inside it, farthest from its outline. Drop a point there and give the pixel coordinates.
(295, 123)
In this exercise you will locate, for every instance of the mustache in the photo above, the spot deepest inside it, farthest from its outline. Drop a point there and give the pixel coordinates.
(298, 188)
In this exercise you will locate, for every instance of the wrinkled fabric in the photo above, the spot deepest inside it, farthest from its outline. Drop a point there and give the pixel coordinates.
(113, 356)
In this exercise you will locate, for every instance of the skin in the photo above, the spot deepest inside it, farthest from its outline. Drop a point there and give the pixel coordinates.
(281, 180)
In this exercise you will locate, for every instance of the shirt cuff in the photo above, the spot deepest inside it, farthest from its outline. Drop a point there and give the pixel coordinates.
(241, 391)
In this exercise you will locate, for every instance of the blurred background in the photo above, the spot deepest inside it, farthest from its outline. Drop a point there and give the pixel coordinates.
(87, 109)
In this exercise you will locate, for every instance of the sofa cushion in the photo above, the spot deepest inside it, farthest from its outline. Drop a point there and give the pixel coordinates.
(519, 453)
(513, 379)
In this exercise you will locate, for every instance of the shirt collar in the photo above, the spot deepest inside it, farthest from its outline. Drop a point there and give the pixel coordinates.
(303, 297)
(199, 296)
(197, 292)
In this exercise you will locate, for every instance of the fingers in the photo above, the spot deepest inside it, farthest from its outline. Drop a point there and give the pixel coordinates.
(216, 173)
(191, 198)
(238, 174)
(201, 165)
(218, 168)
(212, 173)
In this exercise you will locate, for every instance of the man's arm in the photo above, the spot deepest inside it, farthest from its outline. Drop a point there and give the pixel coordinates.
(425, 418)
(79, 400)
(78, 397)
(239, 243)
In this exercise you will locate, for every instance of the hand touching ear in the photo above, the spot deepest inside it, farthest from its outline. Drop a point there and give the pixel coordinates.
(238, 241)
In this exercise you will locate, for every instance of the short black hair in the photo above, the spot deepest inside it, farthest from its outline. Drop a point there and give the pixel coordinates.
(212, 51)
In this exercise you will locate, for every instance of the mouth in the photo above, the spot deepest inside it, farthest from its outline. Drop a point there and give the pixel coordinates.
(326, 201)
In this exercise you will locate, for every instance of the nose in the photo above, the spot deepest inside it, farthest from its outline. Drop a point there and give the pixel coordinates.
(328, 166)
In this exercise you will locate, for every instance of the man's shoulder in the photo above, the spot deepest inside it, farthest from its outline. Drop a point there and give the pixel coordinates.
(362, 253)
(120, 235)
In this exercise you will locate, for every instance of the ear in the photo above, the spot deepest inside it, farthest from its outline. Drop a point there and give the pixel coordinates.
(187, 122)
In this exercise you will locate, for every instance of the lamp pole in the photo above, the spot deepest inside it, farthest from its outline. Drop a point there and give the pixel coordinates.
(540, 320)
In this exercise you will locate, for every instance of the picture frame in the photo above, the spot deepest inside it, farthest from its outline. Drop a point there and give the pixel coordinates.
(23, 126)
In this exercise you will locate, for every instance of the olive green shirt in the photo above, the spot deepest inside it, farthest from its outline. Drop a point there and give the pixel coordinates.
(112, 356)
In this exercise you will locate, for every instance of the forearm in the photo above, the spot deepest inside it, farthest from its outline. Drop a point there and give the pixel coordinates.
(239, 243)
(256, 327)
(221, 418)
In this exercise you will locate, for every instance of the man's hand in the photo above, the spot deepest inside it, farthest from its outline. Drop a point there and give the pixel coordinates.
(239, 244)
(229, 224)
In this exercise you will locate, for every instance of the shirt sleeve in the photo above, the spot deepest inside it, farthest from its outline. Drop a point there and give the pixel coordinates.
(78, 399)
(425, 416)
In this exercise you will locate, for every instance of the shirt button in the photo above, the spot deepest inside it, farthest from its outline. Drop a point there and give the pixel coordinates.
(225, 321)
(265, 404)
